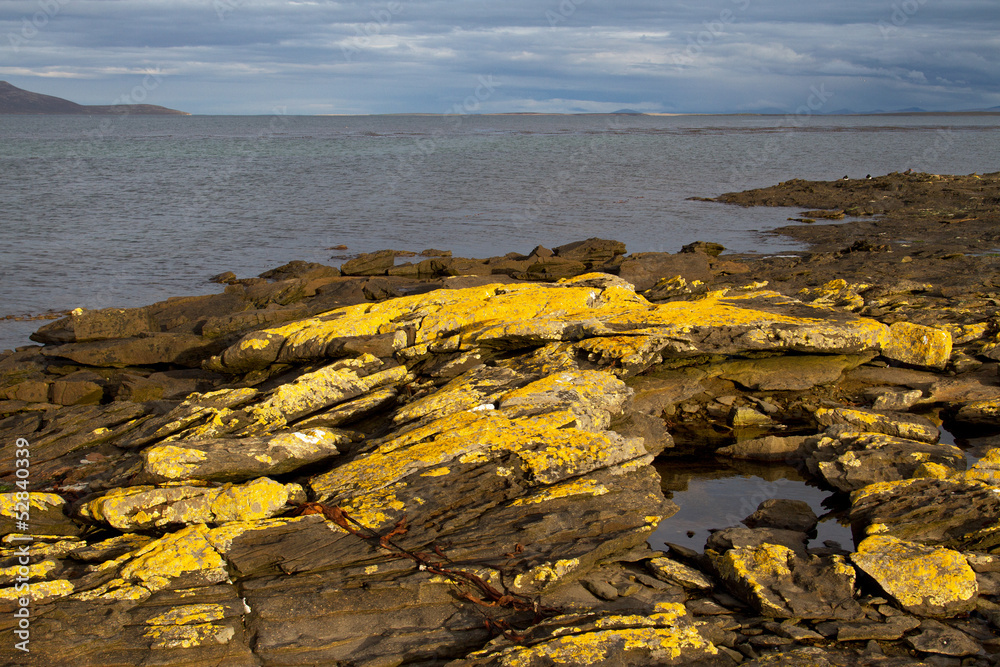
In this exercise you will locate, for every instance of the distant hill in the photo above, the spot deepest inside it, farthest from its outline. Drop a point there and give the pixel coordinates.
(14, 100)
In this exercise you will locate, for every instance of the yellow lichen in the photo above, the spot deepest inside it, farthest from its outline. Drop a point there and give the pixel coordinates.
(172, 462)
(153, 566)
(38, 591)
(922, 579)
(38, 570)
(188, 636)
(189, 614)
(918, 345)
(39, 501)
(583, 487)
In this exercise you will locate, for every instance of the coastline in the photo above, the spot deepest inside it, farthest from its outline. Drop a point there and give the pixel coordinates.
(313, 441)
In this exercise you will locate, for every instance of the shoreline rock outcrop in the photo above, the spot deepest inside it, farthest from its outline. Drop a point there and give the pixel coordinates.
(451, 465)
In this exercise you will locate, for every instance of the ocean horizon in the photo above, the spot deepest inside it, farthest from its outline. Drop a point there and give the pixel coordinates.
(121, 211)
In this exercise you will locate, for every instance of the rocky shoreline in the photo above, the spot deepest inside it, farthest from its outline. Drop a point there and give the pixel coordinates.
(447, 461)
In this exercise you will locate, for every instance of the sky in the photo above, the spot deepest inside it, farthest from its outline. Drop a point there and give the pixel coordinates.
(465, 56)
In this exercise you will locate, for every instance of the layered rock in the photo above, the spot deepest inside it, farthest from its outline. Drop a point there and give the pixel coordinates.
(462, 474)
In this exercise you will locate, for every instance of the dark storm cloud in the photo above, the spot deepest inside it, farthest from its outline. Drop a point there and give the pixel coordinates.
(249, 56)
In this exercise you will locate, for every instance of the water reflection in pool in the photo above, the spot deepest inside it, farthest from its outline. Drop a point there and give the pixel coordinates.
(719, 494)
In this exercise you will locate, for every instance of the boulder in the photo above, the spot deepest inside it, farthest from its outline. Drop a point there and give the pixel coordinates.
(149, 350)
(75, 392)
(918, 345)
(552, 268)
(739, 537)
(146, 507)
(924, 580)
(232, 459)
(369, 264)
(672, 572)
(855, 460)
(897, 424)
(88, 325)
(779, 583)
(770, 448)
(646, 269)
(704, 247)
(299, 270)
(953, 513)
(593, 252)
(787, 372)
(936, 637)
(984, 412)
(783, 514)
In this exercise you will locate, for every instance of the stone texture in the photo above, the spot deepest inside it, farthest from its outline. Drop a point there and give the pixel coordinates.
(855, 460)
(898, 424)
(770, 448)
(788, 372)
(783, 514)
(927, 581)
(954, 513)
(918, 345)
(781, 584)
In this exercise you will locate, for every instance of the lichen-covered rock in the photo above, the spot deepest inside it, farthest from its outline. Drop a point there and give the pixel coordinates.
(513, 316)
(670, 571)
(918, 345)
(43, 513)
(980, 412)
(928, 581)
(950, 512)
(145, 507)
(855, 460)
(87, 325)
(783, 514)
(770, 448)
(235, 459)
(664, 637)
(147, 350)
(898, 424)
(787, 372)
(781, 584)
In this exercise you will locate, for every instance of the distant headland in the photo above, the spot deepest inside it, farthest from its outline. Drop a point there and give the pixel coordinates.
(14, 100)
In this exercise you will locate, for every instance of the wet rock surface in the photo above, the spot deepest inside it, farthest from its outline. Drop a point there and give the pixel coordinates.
(447, 461)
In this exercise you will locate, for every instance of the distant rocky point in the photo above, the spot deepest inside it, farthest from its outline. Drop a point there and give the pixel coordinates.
(14, 100)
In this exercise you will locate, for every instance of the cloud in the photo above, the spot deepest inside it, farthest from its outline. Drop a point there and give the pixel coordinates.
(352, 56)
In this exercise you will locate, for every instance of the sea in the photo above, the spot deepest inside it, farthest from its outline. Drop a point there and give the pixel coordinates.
(121, 211)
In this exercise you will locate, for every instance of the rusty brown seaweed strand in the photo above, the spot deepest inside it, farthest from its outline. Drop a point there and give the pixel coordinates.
(490, 596)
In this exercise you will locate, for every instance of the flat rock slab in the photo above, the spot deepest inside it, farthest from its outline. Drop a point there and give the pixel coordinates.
(955, 513)
(592, 305)
(788, 372)
(926, 581)
(781, 584)
(856, 460)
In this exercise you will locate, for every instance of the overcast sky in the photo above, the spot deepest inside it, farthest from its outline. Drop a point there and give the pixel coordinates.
(435, 56)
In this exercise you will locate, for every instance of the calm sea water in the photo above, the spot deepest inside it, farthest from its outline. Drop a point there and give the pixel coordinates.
(124, 211)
